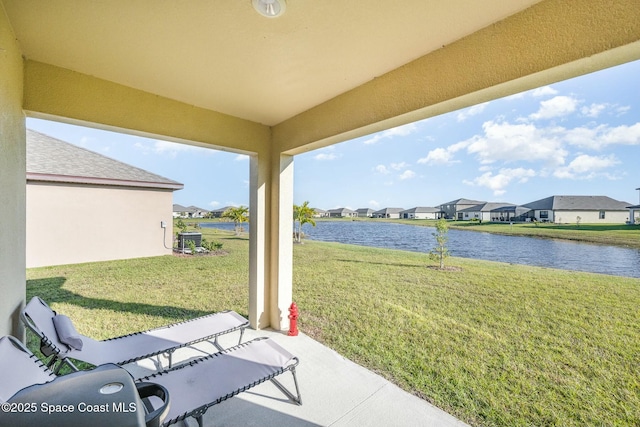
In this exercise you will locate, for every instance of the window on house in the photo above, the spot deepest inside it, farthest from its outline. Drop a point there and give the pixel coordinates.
(601, 214)
(544, 214)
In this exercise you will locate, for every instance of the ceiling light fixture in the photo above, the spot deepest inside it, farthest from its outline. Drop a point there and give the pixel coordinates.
(269, 8)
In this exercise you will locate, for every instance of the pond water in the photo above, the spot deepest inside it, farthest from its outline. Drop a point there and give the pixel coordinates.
(472, 244)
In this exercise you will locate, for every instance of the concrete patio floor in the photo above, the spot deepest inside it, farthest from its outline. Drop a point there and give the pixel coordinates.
(335, 392)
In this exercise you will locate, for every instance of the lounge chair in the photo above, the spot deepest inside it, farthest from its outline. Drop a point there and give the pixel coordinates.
(196, 386)
(190, 389)
(31, 394)
(60, 340)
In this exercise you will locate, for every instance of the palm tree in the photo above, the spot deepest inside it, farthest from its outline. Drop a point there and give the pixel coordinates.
(302, 215)
(238, 216)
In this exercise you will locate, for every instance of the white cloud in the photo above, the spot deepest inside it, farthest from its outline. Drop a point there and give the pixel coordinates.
(521, 142)
(544, 91)
(166, 146)
(399, 166)
(622, 110)
(584, 137)
(624, 135)
(87, 140)
(598, 137)
(555, 107)
(326, 153)
(403, 130)
(503, 143)
(241, 158)
(170, 149)
(586, 167)
(585, 163)
(515, 96)
(443, 156)
(214, 204)
(141, 147)
(374, 204)
(325, 156)
(472, 111)
(408, 174)
(382, 169)
(498, 183)
(437, 156)
(593, 110)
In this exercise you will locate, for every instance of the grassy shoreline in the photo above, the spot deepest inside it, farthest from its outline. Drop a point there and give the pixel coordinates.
(493, 344)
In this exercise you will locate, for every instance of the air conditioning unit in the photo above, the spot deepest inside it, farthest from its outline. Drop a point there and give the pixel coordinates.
(186, 236)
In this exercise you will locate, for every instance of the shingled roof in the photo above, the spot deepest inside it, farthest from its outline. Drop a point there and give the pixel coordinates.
(487, 207)
(578, 203)
(422, 209)
(52, 160)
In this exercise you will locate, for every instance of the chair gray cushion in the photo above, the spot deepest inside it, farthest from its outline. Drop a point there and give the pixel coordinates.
(67, 333)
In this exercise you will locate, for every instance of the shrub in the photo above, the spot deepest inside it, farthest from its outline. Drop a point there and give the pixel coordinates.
(211, 246)
(191, 245)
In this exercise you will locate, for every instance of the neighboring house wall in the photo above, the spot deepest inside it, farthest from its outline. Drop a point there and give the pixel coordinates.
(448, 210)
(590, 209)
(501, 216)
(77, 223)
(319, 213)
(364, 213)
(341, 213)
(591, 217)
(218, 212)
(410, 215)
(586, 217)
(420, 213)
(460, 207)
(391, 215)
(451, 210)
(470, 215)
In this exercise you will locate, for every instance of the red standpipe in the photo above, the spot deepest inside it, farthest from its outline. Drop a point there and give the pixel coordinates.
(293, 320)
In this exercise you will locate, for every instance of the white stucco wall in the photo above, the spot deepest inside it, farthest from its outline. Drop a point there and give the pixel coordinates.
(422, 215)
(69, 224)
(590, 217)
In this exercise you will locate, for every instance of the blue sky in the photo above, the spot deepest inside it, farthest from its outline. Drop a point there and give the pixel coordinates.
(576, 137)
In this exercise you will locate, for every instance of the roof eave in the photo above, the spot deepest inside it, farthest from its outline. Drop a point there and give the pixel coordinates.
(41, 177)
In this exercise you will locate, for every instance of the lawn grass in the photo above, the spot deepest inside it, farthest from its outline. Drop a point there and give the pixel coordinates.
(493, 344)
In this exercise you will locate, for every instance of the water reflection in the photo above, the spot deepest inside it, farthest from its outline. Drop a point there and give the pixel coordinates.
(470, 244)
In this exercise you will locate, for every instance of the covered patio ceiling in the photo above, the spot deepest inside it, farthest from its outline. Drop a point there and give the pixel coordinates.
(323, 69)
(224, 56)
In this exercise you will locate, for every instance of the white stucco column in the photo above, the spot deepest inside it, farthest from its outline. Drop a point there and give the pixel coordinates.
(271, 241)
(259, 173)
(12, 183)
(281, 289)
